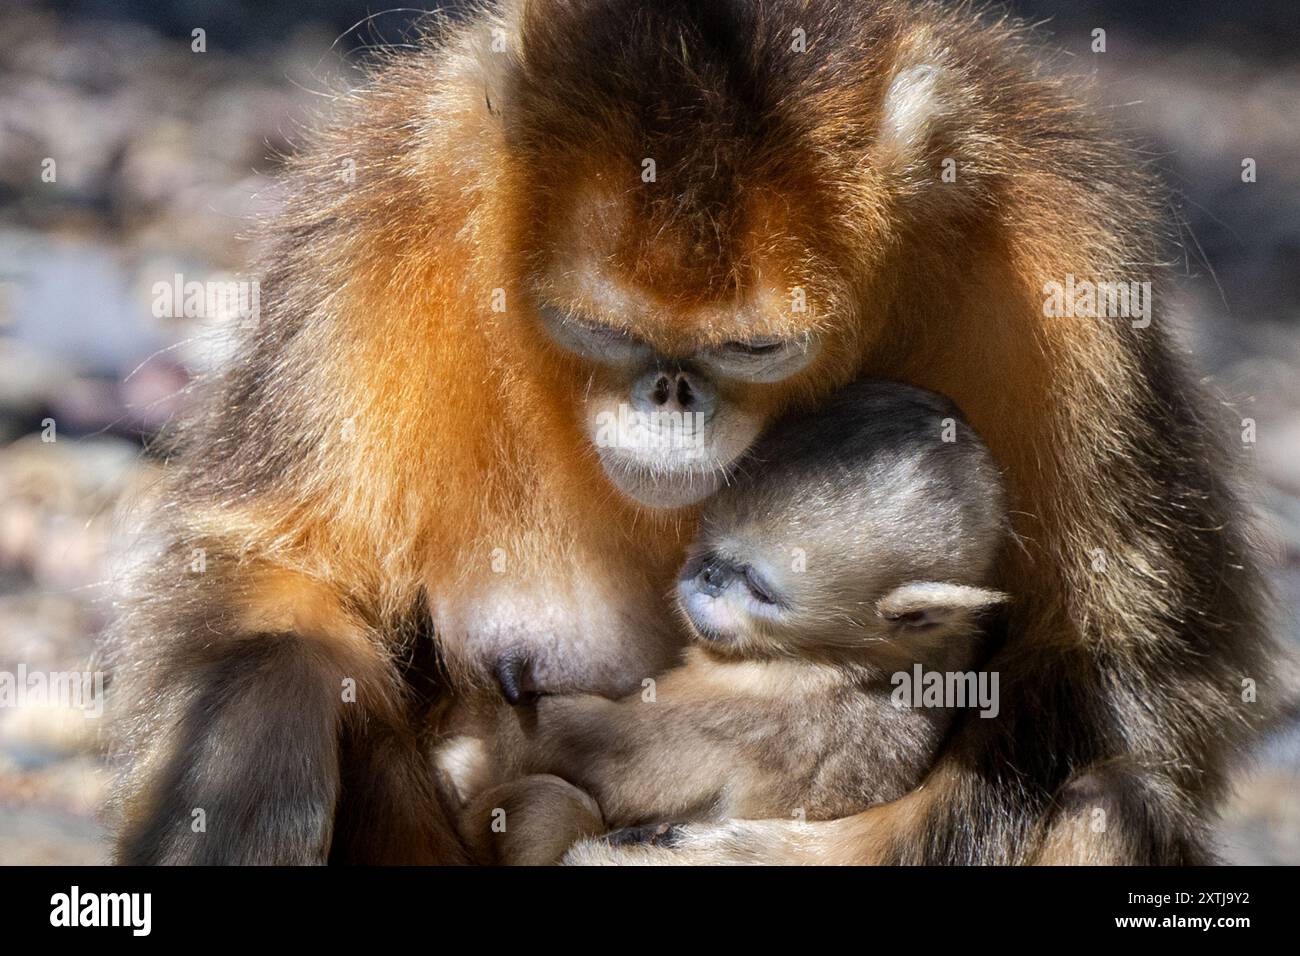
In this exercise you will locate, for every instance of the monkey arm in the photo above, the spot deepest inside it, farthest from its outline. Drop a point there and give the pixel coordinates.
(640, 761)
(1115, 813)
(248, 722)
(247, 769)
(981, 802)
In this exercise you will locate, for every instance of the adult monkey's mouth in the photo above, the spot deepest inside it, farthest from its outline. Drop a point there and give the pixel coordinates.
(662, 488)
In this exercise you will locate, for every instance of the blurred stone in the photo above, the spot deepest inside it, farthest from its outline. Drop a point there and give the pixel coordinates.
(32, 835)
(1261, 823)
(56, 504)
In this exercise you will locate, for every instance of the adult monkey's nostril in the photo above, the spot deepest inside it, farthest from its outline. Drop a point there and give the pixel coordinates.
(685, 395)
(696, 394)
(663, 390)
(673, 390)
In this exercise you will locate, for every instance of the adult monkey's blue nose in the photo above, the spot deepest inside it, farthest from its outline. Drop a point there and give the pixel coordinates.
(674, 390)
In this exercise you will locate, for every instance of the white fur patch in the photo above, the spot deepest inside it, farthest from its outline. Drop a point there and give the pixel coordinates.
(464, 763)
(912, 105)
(729, 843)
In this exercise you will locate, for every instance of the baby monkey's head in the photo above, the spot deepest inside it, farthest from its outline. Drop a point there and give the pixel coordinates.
(864, 524)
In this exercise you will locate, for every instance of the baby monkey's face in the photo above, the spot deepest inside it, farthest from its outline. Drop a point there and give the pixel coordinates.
(779, 581)
(863, 526)
(736, 600)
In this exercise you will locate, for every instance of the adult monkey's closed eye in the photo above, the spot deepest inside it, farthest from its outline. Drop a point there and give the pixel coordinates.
(590, 339)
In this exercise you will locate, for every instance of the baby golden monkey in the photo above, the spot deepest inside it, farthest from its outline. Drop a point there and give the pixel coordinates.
(554, 212)
(852, 545)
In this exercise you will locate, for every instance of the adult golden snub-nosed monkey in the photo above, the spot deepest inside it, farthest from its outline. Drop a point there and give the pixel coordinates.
(497, 368)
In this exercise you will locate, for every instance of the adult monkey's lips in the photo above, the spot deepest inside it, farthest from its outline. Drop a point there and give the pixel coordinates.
(653, 488)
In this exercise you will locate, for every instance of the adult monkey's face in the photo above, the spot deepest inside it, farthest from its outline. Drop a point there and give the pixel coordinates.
(673, 394)
(678, 355)
(678, 238)
(668, 424)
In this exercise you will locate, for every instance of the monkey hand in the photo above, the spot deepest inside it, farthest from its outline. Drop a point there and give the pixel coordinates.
(530, 821)
(864, 839)
(731, 842)
(650, 834)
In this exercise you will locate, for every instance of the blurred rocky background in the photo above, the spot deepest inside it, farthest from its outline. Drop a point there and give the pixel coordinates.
(128, 157)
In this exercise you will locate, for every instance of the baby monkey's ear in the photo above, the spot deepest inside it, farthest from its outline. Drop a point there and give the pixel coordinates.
(929, 603)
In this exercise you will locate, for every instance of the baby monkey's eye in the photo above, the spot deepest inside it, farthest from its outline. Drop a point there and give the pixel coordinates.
(758, 587)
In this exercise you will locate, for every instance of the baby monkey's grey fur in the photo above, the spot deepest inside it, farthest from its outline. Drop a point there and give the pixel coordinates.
(852, 544)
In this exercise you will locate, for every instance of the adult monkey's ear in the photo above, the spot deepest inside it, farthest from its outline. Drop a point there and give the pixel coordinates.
(926, 116)
(930, 603)
(917, 103)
